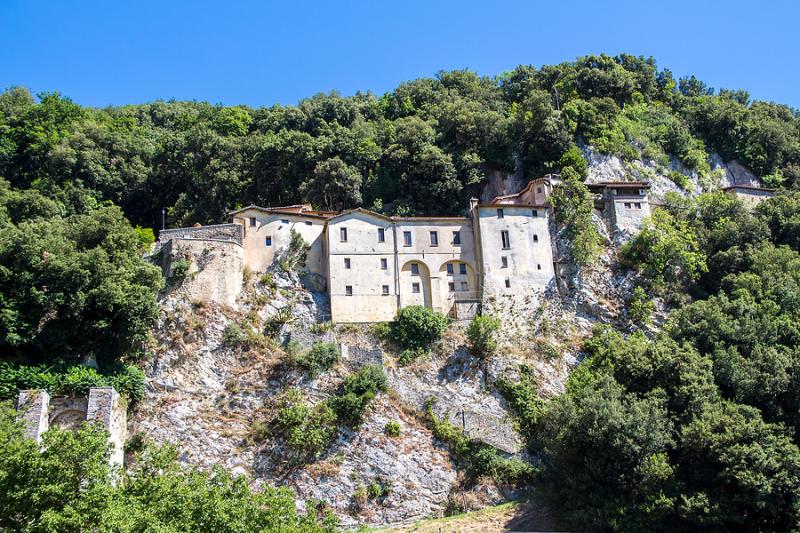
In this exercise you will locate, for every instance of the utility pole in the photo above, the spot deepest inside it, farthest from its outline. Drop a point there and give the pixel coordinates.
(163, 218)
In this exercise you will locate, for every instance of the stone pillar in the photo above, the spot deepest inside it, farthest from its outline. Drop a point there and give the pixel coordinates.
(33, 410)
(106, 408)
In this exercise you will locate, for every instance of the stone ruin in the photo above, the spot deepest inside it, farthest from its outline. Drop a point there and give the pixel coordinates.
(39, 412)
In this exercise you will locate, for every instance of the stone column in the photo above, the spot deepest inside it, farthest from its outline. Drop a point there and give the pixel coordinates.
(33, 410)
(106, 408)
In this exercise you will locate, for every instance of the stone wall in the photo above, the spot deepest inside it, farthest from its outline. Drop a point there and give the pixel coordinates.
(215, 272)
(38, 412)
(220, 232)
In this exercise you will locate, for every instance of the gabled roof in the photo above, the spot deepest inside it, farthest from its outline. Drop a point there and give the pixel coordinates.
(361, 210)
(528, 187)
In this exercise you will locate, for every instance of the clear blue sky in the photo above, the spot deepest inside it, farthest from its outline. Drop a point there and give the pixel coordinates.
(263, 52)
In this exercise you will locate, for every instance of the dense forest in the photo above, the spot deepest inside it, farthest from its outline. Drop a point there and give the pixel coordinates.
(693, 427)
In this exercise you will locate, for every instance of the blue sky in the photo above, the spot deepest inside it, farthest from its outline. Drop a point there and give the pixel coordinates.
(263, 52)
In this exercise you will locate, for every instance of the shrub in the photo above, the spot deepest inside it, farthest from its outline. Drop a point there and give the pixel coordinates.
(392, 428)
(417, 327)
(318, 328)
(379, 488)
(180, 268)
(679, 179)
(482, 335)
(356, 393)
(409, 355)
(307, 429)
(640, 307)
(573, 205)
(381, 330)
(233, 335)
(319, 358)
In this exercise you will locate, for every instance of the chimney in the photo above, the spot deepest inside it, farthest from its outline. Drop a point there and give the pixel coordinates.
(473, 203)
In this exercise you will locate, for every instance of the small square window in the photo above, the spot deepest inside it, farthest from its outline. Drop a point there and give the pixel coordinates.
(348, 290)
(407, 238)
(451, 286)
(268, 241)
(462, 268)
(385, 290)
(464, 286)
(343, 234)
(535, 238)
(508, 283)
(506, 239)
(500, 213)
(285, 221)
(414, 269)
(538, 267)
(638, 205)
(347, 262)
(384, 264)
(535, 212)
(504, 262)
(627, 205)
(308, 222)
(539, 190)
(252, 221)
(457, 237)
(434, 238)
(415, 287)
(449, 268)
(381, 235)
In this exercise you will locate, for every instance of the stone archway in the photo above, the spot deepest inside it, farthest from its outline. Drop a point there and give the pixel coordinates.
(415, 284)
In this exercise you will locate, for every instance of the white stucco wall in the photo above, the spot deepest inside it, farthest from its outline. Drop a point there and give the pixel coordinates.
(365, 275)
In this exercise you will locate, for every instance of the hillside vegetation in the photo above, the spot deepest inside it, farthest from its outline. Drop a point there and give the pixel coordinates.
(680, 423)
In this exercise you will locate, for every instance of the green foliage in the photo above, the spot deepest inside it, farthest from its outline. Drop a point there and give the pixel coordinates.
(640, 307)
(379, 488)
(482, 334)
(65, 484)
(392, 428)
(233, 335)
(381, 330)
(417, 326)
(321, 357)
(146, 237)
(782, 215)
(665, 251)
(180, 269)
(293, 257)
(410, 355)
(307, 429)
(356, 393)
(69, 379)
(573, 205)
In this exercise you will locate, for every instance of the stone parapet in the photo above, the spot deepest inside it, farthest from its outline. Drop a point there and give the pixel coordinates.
(218, 232)
(33, 411)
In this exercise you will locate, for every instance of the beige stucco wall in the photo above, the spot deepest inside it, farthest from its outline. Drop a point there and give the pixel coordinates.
(365, 276)
(530, 264)
(258, 256)
(216, 269)
(628, 218)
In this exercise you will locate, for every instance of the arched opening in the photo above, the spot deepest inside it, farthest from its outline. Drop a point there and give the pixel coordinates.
(415, 284)
(457, 282)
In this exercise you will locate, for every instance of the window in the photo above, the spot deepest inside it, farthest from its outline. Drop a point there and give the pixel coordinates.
(462, 268)
(381, 235)
(449, 268)
(500, 213)
(407, 238)
(638, 205)
(284, 221)
(348, 290)
(414, 269)
(538, 267)
(347, 263)
(385, 290)
(506, 240)
(415, 287)
(457, 237)
(252, 221)
(343, 234)
(535, 212)
(384, 264)
(268, 241)
(539, 190)
(627, 205)
(535, 238)
(451, 286)
(434, 238)
(308, 222)
(508, 283)
(504, 262)
(464, 286)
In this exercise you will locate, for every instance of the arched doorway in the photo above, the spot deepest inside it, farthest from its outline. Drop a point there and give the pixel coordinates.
(457, 282)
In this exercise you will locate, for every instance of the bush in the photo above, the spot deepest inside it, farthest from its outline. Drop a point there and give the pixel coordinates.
(392, 428)
(409, 355)
(482, 335)
(180, 268)
(573, 205)
(381, 330)
(356, 393)
(418, 327)
(319, 358)
(679, 179)
(379, 488)
(640, 307)
(307, 429)
(233, 335)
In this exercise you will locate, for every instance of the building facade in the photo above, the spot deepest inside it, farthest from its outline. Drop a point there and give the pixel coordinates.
(373, 265)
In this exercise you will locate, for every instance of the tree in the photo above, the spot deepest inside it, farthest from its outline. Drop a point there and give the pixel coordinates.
(336, 185)
(482, 335)
(418, 327)
(573, 206)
